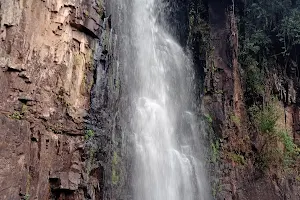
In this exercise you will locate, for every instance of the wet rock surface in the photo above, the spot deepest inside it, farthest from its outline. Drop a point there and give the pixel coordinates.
(235, 171)
(46, 75)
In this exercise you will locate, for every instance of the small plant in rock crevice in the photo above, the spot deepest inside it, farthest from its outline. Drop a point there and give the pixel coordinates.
(55, 128)
(28, 185)
(86, 13)
(100, 8)
(208, 118)
(88, 134)
(27, 197)
(235, 119)
(215, 151)
(216, 188)
(115, 177)
(237, 158)
(16, 115)
(24, 109)
(78, 59)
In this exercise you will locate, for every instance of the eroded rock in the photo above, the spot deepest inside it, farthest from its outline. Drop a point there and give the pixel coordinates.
(46, 76)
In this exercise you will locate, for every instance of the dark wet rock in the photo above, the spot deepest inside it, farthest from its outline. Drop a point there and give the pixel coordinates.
(25, 99)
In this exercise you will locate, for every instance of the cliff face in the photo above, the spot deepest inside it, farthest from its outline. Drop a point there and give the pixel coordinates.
(249, 159)
(46, 75)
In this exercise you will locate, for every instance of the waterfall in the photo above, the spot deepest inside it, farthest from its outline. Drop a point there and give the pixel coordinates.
(168, 160)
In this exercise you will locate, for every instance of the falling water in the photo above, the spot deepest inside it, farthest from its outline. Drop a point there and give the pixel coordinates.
(168, 158)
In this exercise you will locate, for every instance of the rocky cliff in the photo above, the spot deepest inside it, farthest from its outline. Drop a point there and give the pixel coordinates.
(249, 98)
(46, 75)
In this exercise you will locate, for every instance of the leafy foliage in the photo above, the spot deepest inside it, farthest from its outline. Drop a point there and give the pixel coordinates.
(278, 148)
(289, 30)
(237, 158)
(265, 118)
(215, 148)
(88, 134)
(115, 175)
(16, 115)
(270, 33)
(269, 38)
(254, 79)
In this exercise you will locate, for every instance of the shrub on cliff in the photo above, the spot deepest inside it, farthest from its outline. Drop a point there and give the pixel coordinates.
(277, 148)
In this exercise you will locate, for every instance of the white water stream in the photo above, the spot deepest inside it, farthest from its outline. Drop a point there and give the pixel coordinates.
(167, 161)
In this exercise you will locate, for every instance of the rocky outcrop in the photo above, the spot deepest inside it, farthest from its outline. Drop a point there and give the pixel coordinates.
(46, 74)
(236, 144)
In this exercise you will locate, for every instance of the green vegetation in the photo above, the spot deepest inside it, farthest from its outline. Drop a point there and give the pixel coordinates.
(272, 154)
(24, 109)
(269, 38)
(199, 29)
(78, 59)
(19, 115)
(270, 33)
(219, 92)
(55, 128)
(100, 3)
(89, 57)
(198, 24)
(106, 39)
(100, 8)
(91, 159)
(88, 134)
(265, 19)
(117, 84)
(115, 175)
(16, 115)
(86, 13)
(28, 185)
(265, 118)
(208, 118)
(215, 149)
(27, 197)
(291, 150)
(254, 79)
(287, 140)
(235, 119)
(237, 158)
(216, 188)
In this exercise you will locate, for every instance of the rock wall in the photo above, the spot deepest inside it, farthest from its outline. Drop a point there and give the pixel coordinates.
(234, 140)
(47, 67)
